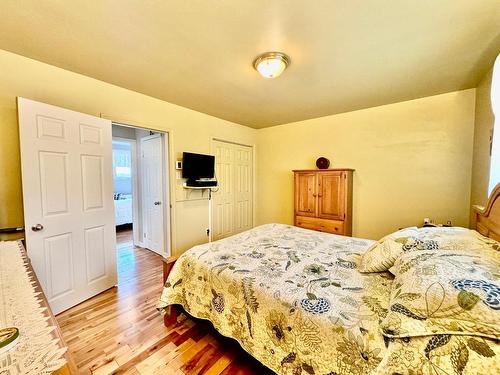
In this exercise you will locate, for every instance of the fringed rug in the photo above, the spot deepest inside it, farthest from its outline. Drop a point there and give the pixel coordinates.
(38, 350)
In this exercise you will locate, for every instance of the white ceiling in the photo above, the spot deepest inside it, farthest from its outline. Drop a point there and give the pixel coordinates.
(346, 55)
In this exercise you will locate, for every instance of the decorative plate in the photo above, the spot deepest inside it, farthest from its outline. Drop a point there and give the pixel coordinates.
(322, 163)
(8, 338)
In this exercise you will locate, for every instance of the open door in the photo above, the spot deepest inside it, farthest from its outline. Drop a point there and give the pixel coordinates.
(153, 196)
(66, 165)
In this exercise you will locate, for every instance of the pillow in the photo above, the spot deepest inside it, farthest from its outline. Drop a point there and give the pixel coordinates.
(445, 292)
(382, 254)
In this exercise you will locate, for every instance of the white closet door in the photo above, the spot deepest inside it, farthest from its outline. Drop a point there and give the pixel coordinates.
(243, 188)
(223, 206)
(66, 161)
(232, 204)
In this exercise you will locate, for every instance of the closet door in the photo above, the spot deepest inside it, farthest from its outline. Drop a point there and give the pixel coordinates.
(331, 195)
(243, 188)
(232, 204)
(223, 199)
(305, 194)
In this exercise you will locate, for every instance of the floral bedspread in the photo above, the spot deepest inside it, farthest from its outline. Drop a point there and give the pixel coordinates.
(294, 300)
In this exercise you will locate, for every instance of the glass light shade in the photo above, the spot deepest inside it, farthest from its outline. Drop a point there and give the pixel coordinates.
(271, 64)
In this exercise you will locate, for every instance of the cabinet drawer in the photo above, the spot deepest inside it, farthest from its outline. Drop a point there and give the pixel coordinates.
(322, 225)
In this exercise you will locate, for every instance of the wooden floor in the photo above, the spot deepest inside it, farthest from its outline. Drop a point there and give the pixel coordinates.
(121, 332)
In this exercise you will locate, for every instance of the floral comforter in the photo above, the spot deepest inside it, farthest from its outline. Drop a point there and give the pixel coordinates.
(294, 300)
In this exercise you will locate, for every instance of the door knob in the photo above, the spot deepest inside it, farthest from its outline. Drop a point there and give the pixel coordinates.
(157, 203)
(37, 227)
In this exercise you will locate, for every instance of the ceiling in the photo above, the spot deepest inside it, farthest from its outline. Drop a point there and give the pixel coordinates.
(346, 55)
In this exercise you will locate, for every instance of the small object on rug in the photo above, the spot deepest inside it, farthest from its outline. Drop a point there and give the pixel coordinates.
(8, 338)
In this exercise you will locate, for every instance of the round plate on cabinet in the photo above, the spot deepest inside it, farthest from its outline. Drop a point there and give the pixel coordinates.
(322, 163)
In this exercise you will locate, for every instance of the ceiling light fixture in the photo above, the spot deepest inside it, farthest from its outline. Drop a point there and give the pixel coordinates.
(271, 64)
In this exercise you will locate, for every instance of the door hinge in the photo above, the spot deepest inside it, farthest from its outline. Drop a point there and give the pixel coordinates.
(208, 232)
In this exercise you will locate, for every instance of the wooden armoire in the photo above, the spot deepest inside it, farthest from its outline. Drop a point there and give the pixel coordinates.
(323, 200)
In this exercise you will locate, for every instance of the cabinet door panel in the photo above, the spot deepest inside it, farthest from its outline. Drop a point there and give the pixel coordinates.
(331, 196)
(305, 194)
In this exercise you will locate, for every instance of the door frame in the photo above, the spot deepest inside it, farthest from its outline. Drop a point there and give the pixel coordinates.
(214, 139)
(135, 186)
(168, 185)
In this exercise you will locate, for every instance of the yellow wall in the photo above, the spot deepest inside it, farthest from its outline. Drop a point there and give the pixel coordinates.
(11, 200)
(191, 131)
(412, 160)
(483, 127)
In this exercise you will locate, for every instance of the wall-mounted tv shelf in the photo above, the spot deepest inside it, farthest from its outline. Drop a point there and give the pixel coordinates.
(202, 188)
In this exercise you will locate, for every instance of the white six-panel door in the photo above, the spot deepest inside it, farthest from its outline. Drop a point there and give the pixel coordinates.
(223, 199)
(152, 193)
(66, 160)
(243, 192)
(232, 205)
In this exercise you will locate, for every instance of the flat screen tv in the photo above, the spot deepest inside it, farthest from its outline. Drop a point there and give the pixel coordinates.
(197, 166)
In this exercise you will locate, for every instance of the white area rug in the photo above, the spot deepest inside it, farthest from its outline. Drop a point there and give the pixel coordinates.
(37, 351)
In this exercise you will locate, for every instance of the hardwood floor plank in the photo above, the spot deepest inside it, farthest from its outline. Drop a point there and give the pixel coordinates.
(106, 369)
(160, 365)
(207, 361)
(150, 351)
(221, 364)
(199, 360)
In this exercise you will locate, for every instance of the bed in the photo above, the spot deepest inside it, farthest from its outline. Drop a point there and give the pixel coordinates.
(295, 300)
(123, 209)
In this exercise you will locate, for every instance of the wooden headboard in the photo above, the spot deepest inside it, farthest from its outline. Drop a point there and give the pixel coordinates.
(488, 218)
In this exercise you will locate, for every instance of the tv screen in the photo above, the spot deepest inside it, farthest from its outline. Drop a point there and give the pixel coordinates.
(196, 166)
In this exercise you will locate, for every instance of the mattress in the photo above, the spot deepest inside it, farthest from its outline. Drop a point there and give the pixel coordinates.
(123, 210)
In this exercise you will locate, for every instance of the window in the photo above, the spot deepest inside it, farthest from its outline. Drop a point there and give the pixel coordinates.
(123, 172)
(122, 163)
(495, 142)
